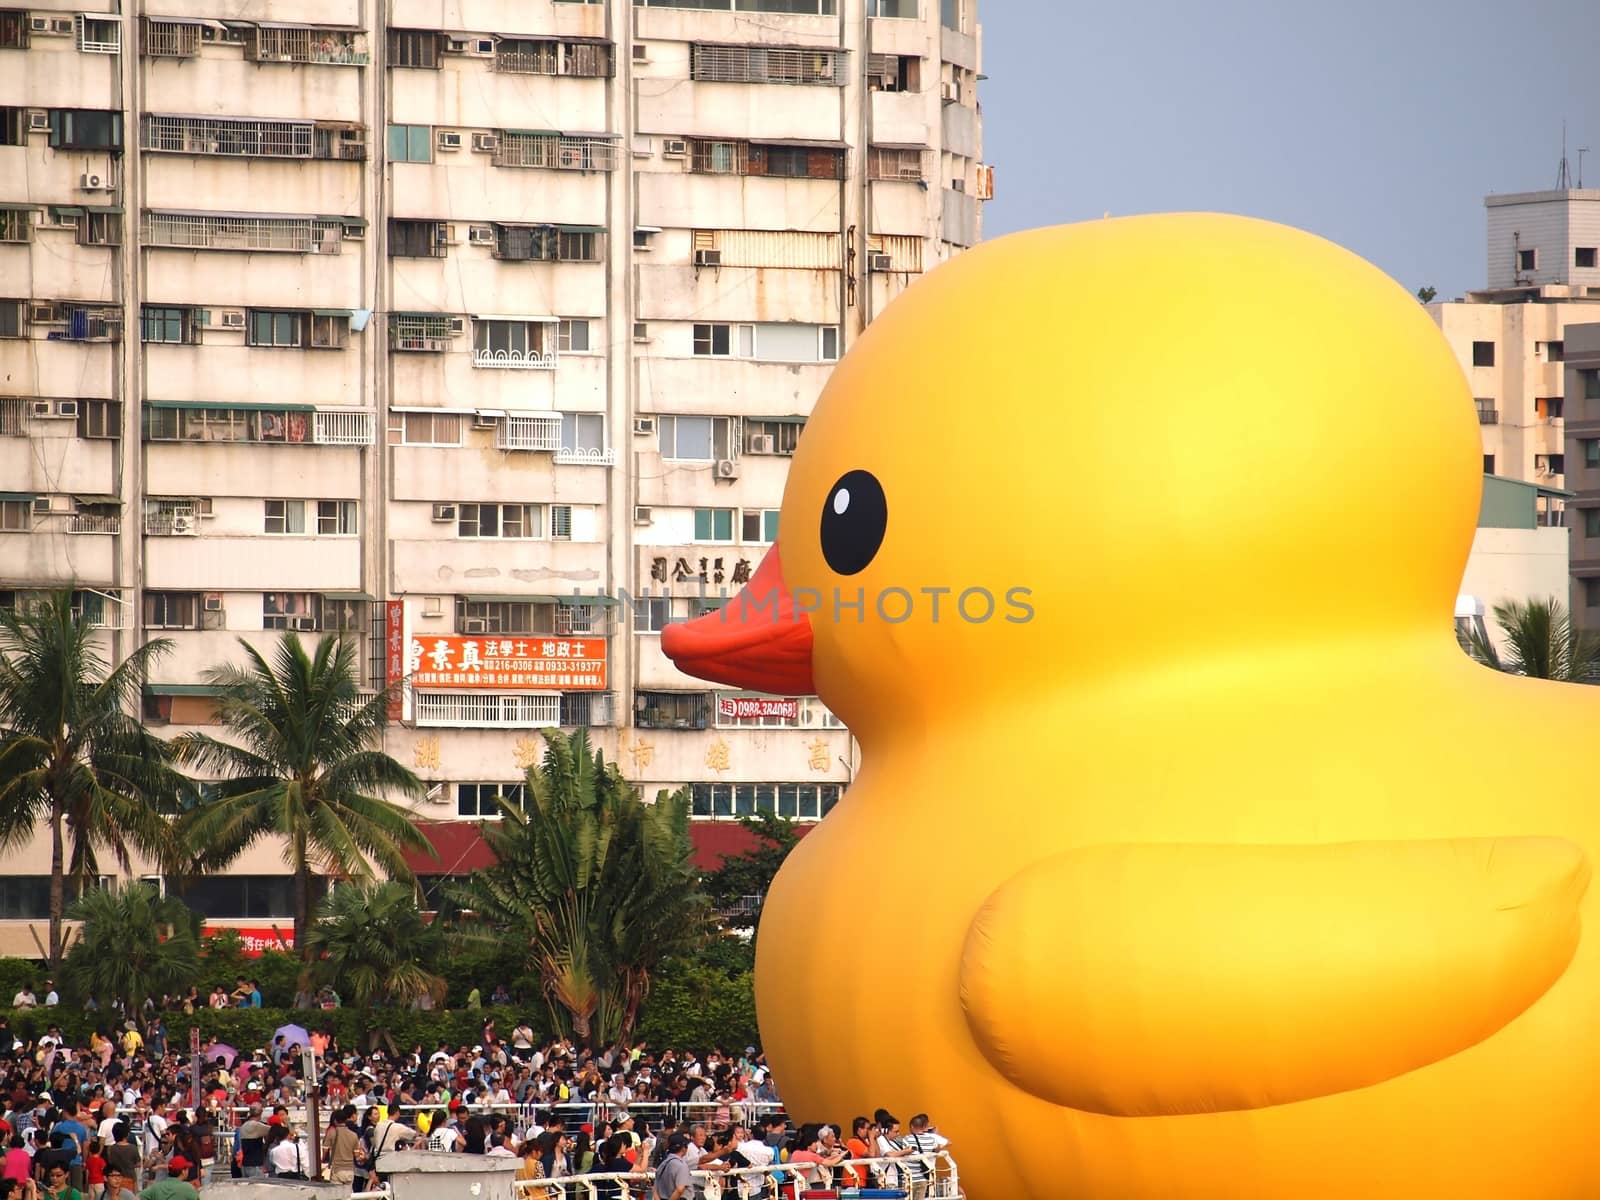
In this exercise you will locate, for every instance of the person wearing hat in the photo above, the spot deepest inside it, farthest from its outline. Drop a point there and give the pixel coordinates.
(172, 1187)
(673, 1180)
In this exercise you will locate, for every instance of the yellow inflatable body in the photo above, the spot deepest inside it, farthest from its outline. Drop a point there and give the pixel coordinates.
(1207, 865)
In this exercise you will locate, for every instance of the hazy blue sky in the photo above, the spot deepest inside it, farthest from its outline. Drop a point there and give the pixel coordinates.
(1379, 125)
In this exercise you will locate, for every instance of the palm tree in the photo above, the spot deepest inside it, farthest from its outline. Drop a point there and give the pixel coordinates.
(74, 756)
(1542, 642)
(134, 944)
(303, 766)
(598, 885)
(371, 941)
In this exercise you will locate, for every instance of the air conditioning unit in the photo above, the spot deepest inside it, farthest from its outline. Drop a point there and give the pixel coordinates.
(42, 408)
(41, 506)
(66, 408)
(38, 119)
(233, 319)
(93, 183)
(305, 623)
(763, 443)
(455, 46)
(458, 326)
(674, 148)
(480, 235)
(641, 331)
(50, 26)
(880, 262)
(475, 625)
(727, 468)
(950, 92)
(486, 143)
(449, 139)
(641, 514)
(481, 46)
(182, 525)
(444, 512)
(484, 421)
(213, 602)
(708, 258)
(644, 426)
(42, 312)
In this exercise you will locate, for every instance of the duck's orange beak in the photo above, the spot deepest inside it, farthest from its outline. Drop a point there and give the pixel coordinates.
(759, 640)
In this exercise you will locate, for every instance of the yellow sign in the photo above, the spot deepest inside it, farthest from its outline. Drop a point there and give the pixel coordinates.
(819, 755)
(426, 753)
(717, 757)
(527, 750)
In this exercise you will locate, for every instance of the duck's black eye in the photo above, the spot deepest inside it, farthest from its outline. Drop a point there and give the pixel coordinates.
(854, 518)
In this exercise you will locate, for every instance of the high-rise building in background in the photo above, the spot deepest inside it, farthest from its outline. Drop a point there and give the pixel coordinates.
(452, 328)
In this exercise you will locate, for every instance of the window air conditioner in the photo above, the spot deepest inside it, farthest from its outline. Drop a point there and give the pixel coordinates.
(43, 408)
(213, 602)
(641, 331)
(182, 524)
(458, 326)
(41, 312)
(641, 514)
(41, 506)
(880, 262)
(475, 625)
(482, 421)
(483, 46)
(674, 148)
(449, 139)
(480, 235)
(306, 623)
(708, 258)
(763, 444)
(233, 319)
(38, 119)
(486, 142)
(950, 92)
(66, 408)
(455, 46)
(644, 425)
(444, 512)
(727, 468)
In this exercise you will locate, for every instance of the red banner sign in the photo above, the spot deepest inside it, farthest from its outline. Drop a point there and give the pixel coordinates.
(256, 938)
(394, 655)
(737, 707)
(518, 662)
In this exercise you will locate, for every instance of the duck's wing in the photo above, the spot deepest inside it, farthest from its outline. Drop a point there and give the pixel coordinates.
(1140, 980)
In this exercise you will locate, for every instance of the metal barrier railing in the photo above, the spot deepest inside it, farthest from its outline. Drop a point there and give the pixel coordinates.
(938, 1180)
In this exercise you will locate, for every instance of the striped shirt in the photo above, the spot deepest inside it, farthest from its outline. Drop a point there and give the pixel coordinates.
(926, 1142)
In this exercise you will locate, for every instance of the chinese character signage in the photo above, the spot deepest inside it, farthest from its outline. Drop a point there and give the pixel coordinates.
(255, 939)
(527, 661)
(739, 707)
(394, 638)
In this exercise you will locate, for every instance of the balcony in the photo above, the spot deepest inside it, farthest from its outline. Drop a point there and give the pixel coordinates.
(1488, 416)
(586, 456)
(91, 523)
(342, 429)
(332, 46)
(181, 519)
(554, 152)
(515, 360)
(235, 231)
(529, 433)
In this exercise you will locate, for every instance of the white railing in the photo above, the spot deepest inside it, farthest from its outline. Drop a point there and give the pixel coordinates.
(89, 523)
(472, 709)
(172, 520)
(342, 429)
(940, 1179)
(99, 35)
(514, 360)
(587, 456)
(193, 231)
(242, 138)
(529, 433)
(555, 153)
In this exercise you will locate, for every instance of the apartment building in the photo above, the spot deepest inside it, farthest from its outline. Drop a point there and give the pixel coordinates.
(480, 332)
(1583, 449)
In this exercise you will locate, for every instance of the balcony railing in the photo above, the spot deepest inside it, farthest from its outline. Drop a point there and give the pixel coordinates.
(180, 520)
(304, 45)
(1488, 416)
(207, 231)
(587, 456)
(555, 153)
(515, 360)
(342, 429)
(529, 433)
(90, 523)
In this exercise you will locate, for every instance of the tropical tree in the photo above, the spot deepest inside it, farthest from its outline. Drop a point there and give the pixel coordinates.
(303, 765)
(1542, 642)
(739, 886)
(134, 944)
(75, 757)
(599, 887)
(371, 941)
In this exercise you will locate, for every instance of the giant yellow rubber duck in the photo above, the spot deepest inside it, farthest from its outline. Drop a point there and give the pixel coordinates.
(1188, 856)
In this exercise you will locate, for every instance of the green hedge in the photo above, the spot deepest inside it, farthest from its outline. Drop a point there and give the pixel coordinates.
(695, 1004)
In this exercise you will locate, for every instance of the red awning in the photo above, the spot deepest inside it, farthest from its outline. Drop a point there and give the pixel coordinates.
(462, 848)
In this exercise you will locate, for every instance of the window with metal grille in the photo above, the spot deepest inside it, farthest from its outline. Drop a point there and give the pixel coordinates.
(717, 63)
(171, 39)
(196, 231)
(527, 56)
(546, 243)
(415, 48)
(521, 432)
(556, 152)
(16, 225)
(813, 8)
(561, 522)
(303, 44)
(98, 35)
(477, 709)
(503, 616)
(585, 709)
(417, 239)
(671, 710)
(894, 162)
(244, 138)
(13, 29)
(420, 331)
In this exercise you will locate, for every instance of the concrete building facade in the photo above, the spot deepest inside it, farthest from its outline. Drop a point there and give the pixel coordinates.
(478, 331)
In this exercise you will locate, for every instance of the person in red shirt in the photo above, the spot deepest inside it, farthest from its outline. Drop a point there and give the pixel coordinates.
(863, 1136)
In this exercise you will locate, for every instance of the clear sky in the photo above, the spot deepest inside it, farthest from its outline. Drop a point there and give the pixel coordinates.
(1379, 125)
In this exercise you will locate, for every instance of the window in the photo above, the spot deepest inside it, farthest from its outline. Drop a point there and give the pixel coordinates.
(13, 29)
(16, 516)
(289, 610)
(99, 35)
(894, 73)
(99, 418)
(430, 429)
(499, 521)
(895, 162)
(498, 616)
(1591, 522)
(11, 325)
(582, 60)
(830, 343)
(1527, 260)
(902, 9)
(1549, 408)
(755, 158)
(950, 14)
(1483, 354)
(285, 516)
(652, 614)
(1554, 351)
(480, 800)
(1591, 452)
(713, 524)
(25, 897)
(822, 8)
(476, 709)
(329, 331)
(760, 526)
(772, 437)
(696, 439)
(85, 129)
(513, 344)
(414, 48)
(803, 801)
(1488, 414)
(671, 710)
(14, 123)
(556, 151)
(1591, 593)
(546, 243)
(573, 335)
(1591, 384)
(717, 340)
(717, 63)
(176, 326)
(236, 897)
(172, 610)
(417, 239)
(1488, 464)
(583, 433)
(1584, 256)
(336, 518)
(561, 522)
(410, 143)
(1556, 463)
(16, 225)
(278, 329)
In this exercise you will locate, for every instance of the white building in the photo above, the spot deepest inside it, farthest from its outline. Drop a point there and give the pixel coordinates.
(446, 325)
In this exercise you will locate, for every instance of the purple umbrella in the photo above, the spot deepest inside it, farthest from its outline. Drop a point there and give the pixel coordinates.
(290, 1035)
(218, 1050)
